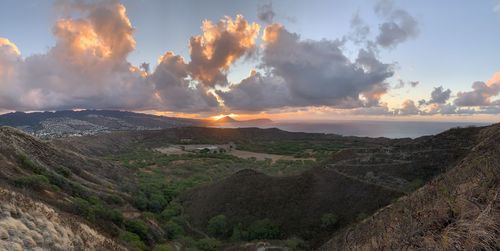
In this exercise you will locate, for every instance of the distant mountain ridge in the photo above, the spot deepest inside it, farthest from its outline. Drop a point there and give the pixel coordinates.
(88, 122)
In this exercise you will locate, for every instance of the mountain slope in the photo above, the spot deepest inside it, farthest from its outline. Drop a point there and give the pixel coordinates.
(296, 204)
(85, 122)
(459, 210)
(62, 180)
(27, 225)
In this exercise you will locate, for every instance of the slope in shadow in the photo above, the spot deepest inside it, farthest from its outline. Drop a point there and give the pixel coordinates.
(459, 210)
(296, 204)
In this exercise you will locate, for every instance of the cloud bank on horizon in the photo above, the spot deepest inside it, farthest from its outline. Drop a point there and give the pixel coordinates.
(87, 68)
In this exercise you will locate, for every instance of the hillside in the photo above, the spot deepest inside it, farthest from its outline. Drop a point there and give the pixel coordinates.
(41, 187)
(295, 204)
(88, 122)
(26, 224)
(126, 191)
(458, 210)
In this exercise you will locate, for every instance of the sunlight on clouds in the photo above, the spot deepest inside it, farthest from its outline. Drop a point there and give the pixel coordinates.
(271, 33)
(219, 46)
(81, 38)
(9, 47)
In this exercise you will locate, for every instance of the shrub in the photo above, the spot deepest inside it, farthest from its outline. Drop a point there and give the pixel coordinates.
(296, 244)
(173, 230)
(187, 241)
(138, 227)
(28, 164)
(361, 216)
(239, 233)
(173, 209)
(114, 199)
(132, 240)
(94, 209)
(218, 226)
(415, 184)
(208, 244)
(35, 181)
(83, 208)
(163, 247)
(63, 171)
(328, 220)
(263, 229)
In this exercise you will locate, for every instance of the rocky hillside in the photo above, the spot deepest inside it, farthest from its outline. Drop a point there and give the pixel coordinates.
(458, 210)
(47, 190)
(29, 225)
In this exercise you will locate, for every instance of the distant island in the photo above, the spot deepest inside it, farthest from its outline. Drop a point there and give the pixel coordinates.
(228, 121)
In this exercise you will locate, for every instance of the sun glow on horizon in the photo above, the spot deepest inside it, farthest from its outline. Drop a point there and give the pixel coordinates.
(217, 117)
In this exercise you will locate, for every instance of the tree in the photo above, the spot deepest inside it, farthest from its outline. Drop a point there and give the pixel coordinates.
(208, 244)
(173, 209)
(163, 247)
(137, 227)
(132, 240)
(239, 233)
(173, 230)
(263, 230)
(218, 226)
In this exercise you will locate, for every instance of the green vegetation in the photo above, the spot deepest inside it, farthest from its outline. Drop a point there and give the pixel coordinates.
(296, 244)
(329, 220)
(137, 227)
(415, 184)
(263, 230)
(208, 244)
(35, 181)
(95, 210)
(301, 149)
(163, 247)
(361, 216)
(173, 230)
(218, 226)
(132, 240)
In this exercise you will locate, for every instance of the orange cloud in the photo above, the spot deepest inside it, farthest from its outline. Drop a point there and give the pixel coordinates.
(106, 33)
(8, 47)
(271, 33)
(495, 80)
(220, 45)
(9, 55)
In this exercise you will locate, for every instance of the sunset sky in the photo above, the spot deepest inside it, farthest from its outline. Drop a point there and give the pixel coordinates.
(285, 60)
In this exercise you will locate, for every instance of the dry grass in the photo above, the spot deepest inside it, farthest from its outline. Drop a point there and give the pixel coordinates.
(459, 210)
(29, 225)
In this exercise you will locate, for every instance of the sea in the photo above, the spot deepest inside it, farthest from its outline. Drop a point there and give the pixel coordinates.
(374, 129)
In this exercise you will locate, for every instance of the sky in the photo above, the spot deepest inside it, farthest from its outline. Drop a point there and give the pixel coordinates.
(321, 60)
